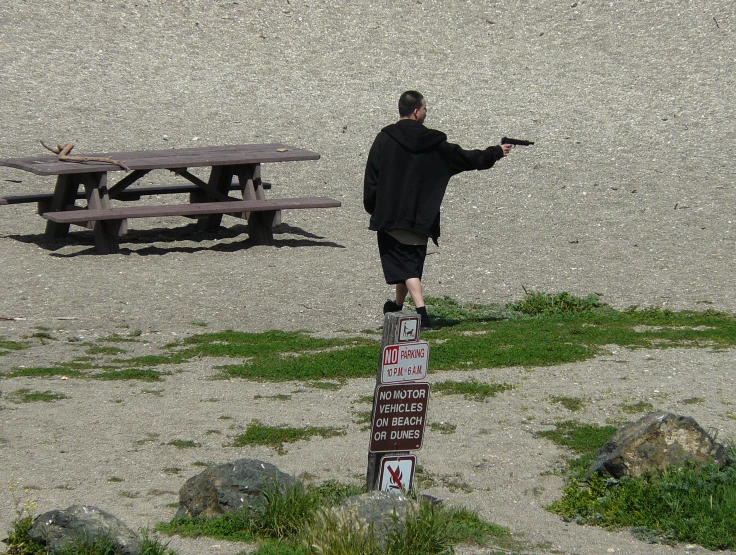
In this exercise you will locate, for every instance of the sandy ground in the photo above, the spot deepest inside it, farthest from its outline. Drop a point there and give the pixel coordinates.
(628, 192)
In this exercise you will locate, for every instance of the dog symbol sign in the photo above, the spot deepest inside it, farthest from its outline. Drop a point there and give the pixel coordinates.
(408, 329)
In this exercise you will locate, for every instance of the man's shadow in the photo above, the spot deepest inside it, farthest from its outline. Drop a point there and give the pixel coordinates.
(172, 237)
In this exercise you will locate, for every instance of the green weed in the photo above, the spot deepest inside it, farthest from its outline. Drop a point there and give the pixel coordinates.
(132, 337)
(640, 407)
(20, 543)
(130, 374)
(104, 350)
(45, 373)
(183, 443)
(536, 303)
(296, 520)
(275, 436)
(540, 330)
(693, 401)
(443, 427)
(278, 397)
(472, 390)
(329, 386)
(572, 404)
(689, 505)
(6, 346)
(28, 396)
(428, 529)
(584, 439)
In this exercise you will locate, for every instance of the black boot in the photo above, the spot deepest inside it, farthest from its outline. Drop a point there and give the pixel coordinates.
(424, 323)
(391, 306)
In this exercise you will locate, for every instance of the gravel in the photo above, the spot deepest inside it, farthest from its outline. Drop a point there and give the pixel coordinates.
(628, 192)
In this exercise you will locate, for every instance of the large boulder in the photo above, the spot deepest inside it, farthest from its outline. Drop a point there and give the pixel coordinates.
(79, 523)
(229, 487)
(656, 441)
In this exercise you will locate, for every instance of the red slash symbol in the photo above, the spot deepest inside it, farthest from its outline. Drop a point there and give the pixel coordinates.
(395, 478)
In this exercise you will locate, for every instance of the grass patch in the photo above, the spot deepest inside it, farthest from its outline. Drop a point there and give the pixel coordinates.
(584, 439)
(275, 436)
(472, 390)
(47, 372)
(677, 505)
(636, 408)
(6, 346)
(328, 386)
(685, 505)
(104, 350)
(362, 416)
(20, 396)
(277, 397)
(130, 374)
(132, 337)
(540, 330)
(183, 443)
(572, 404)
(296, 520)
(536, 303)
(443, 427)
(20, 543)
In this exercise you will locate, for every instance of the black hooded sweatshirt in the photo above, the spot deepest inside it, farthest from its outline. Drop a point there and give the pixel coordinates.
(408, 169)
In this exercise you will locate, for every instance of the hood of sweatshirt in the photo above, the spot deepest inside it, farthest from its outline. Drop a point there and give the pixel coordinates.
(413, 136)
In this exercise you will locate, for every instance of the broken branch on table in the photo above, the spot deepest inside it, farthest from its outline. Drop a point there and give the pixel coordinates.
(62, 151)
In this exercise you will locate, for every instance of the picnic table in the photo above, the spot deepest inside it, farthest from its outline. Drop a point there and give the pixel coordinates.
(209, 200)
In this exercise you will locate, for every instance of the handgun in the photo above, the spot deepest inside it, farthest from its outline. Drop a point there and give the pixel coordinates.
(520, 142)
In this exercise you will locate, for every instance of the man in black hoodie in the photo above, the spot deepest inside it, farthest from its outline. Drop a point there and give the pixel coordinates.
(408, 169)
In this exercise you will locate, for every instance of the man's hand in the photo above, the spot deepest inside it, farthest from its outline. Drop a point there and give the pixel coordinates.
(506, 148)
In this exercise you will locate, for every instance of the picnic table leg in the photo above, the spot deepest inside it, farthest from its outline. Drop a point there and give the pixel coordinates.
(220, 179)
(65, 194)
(106, 232)
(260, 227)
(249, 177)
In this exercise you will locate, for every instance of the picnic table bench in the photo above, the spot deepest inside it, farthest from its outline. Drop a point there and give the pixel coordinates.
(209, 200)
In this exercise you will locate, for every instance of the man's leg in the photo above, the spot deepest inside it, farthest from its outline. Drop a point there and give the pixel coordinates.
(413, 286)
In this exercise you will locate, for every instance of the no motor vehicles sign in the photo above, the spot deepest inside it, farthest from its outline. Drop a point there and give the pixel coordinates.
(399, 416)
(406, 362)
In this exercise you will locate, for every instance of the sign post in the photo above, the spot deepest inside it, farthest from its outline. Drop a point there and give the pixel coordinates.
(399, 404)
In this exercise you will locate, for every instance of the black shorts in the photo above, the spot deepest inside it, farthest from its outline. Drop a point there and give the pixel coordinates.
(400, 262)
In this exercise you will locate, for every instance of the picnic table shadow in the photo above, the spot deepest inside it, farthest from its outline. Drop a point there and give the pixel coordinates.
(173, 237)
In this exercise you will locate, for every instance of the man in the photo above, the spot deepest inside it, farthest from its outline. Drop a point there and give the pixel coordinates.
(408, 169)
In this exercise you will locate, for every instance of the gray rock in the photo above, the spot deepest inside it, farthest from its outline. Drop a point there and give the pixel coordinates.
(229, 487)
(656, 441)
(377, 512)
(58, 528)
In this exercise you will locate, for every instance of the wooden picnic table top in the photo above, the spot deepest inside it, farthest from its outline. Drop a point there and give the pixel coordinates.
(227, 155)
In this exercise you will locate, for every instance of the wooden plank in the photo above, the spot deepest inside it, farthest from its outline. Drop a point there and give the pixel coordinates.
(196, 210)
(166, 159)
(131, 193)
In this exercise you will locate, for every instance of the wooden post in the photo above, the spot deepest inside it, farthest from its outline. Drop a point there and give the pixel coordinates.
(106, 233)
(390, 337)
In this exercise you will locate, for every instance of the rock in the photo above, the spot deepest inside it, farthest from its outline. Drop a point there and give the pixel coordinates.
(377, 509)
(58, 528)
(229, 487)
(656, 441)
